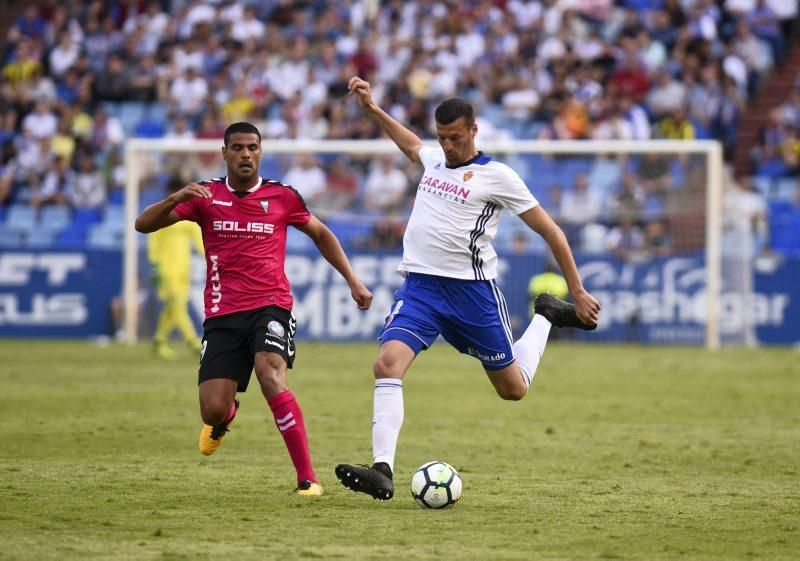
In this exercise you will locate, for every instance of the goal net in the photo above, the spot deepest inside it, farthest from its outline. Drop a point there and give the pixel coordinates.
(644, 219)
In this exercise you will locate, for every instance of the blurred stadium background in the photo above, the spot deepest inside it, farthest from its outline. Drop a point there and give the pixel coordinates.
(80, 79)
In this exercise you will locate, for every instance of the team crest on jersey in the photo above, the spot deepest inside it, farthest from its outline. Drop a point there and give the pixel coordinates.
(265, 206)
(468, 176)
(438, 166)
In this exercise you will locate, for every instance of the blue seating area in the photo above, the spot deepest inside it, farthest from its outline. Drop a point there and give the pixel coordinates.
(60, 227)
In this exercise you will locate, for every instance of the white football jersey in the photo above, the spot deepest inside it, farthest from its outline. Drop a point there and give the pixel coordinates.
(456, 214)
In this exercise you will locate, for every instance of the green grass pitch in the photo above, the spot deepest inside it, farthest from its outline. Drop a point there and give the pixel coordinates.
(619, 452)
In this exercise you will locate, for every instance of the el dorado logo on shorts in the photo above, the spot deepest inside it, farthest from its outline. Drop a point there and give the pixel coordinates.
(265, 205)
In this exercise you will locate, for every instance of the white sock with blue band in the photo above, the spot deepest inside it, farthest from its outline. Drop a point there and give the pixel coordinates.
(530, 347)
(387, 419)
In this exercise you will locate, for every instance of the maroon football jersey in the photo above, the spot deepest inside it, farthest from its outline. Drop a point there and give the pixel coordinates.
(245, 243)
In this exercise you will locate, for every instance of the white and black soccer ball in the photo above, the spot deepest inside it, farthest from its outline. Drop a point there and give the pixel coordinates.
(436, 484)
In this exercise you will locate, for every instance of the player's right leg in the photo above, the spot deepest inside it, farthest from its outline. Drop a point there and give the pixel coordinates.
(218, 407)
(225, 367)
(394, 359)
(410, 328)
(513, 381)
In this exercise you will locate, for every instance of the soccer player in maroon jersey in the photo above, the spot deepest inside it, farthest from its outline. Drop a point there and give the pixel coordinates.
(248, 305)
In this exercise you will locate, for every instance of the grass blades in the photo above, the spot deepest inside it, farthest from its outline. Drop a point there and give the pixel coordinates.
(619, 452)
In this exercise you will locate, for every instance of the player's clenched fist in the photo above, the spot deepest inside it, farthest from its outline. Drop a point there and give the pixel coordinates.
(361, 295)
(362, 91)
(191, 190)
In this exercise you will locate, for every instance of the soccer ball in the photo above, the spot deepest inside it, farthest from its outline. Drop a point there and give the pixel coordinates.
(436, 485)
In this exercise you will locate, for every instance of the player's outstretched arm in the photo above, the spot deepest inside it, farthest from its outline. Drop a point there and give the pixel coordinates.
(160, 215)
(330, 248)
(586, 306)
(408, 142)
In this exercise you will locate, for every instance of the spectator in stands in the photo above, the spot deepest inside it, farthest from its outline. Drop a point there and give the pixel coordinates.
(386, 185)
(292, 60)
(667, 95)
(676, 126)
(143, 80)
(33, 157)
(29, 24)
(248, 27)
(88, 190)
(64, 55)
(57, 184)
(629, 197)
(63, 144)
(625, 240)
(580, 206)
(106, 132)
(342, 185)
(187, 94)
(307, 177)
(790, 110)
(115, 85)
(636, 116)
(40, 88)
(744, 224)
(773, 138)
(41, 122)
(763, 21)
(70, 87)
(630, 78)
(751, 50)
(657, 242)
(613, 125)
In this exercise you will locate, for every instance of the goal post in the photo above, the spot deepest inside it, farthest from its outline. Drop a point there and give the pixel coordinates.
(710, 179)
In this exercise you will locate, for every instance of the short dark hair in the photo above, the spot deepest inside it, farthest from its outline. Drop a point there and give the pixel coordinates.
(243, 127)
(451, 109)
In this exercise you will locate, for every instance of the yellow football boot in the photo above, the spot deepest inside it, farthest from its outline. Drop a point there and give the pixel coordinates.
(164, 351)
(211, 437)
(308, 488)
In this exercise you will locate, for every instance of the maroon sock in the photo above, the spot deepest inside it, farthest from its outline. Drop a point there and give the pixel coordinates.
(289, 419)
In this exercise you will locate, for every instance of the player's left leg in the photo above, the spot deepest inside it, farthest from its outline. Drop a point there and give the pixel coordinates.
(271, 373)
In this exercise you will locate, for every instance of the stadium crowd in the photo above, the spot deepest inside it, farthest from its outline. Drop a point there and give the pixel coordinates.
(79, 77)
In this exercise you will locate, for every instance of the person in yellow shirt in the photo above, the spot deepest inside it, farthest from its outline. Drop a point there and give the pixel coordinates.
(170, 254)
(676, 126)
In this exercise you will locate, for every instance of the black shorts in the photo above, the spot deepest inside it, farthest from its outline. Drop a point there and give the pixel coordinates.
(231, 342)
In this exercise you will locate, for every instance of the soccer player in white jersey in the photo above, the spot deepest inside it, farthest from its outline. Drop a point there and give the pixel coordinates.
(450, 268)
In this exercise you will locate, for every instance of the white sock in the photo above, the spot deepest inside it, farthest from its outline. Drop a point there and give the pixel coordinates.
(387, 419)
(530, 347)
